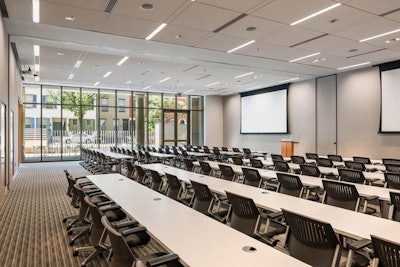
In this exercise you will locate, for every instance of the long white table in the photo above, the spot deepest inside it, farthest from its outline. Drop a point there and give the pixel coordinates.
(349, 223)
(116, 156)
(196, 238)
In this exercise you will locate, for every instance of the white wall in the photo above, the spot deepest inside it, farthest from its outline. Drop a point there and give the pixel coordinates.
(213, 121)
(356, 124)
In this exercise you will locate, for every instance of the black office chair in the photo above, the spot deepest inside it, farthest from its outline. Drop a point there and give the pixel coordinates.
(281, 166)
(227, 172)
(224, 148)
(386, 253)
(246, 218)
(324, 162)
(314, 242)
(290, 184)
(188, 164)
(176, 191)
(337, 158)
(392, 168)
(354, 176)
(310, 170)
(123, 256)
(392, 180)
(394, 210)
(235, 149)
(277, 157)
(209, 203)
(256, 163)
(140, 175)
(237, 161)
(247, 153)
(355, 165)
(390, 161)
(362, 160)
(345, 195)
(312, 156)
(252, 177)
(297, 159)
(156, 181)
(205, 168)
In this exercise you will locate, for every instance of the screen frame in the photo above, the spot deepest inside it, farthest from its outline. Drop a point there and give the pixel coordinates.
(262, 91)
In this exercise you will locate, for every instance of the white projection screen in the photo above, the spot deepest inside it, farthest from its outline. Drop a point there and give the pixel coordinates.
(264, 111)
(390, 100)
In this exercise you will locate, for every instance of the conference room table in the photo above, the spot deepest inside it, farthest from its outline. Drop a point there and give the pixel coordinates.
(118, 157)
(197, 239)
(363, 190)
(349, 223)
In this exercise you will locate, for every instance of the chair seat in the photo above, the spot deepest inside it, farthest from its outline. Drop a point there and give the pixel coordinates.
(137, 239)
(115, 215)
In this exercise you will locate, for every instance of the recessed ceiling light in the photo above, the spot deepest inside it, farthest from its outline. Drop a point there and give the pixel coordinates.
(107, 74)
(243, 75)
(96, 66)
(178, 36)
(96, 83)
(146, 7)
(211, 84)
(36, 50)
(70, 18)
(251, 28)
(71, 76)
(35, 11)
(289, 80)
(241, 46)
(353, 66)
(147, 87)
(122, 61)
(300, 58)
(60, 53)
(166, 79)
(159, 28)
(77, 64)
(379, 35)
(316, 14)
(129, 82)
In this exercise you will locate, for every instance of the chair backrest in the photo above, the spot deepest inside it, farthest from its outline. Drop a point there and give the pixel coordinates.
(235, 149)
(362, 160)
(122, 253)
(390, 161)
(281, 166)
(395, 201)
(188, 164)
(311, 241)
(386, 251)
(244, 213)
(341, 195)
(298, 159)
(206, 150)
(324, 162)
(392, 167)
(202, 197)
(277, 157)
(355, 165)
(256, 163)
(312, 155)
(289, 184)
(227, 172)
(392, 180)
(224, 148)
(336, 158)
(155, 180)
(310, 170)
(205, 168)
(139, 174)
(237, 160)
(97, 228)
(174, 186)
(246, 153)
(251, 177)
(352, 176)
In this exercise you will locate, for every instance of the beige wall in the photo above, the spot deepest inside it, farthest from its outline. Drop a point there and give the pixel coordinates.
(10, 90)
(315, 123)
(213, 121)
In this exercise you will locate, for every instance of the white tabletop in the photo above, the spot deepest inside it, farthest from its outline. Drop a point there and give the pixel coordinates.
(196, 238)
(161, 155)
(113, 155)
(78, 172)
(354, 224)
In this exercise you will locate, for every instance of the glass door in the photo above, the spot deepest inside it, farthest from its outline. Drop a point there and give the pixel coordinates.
(175, 127)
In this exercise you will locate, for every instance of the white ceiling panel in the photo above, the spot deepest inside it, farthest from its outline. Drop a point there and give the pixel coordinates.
(380, 56)
(394, 16)
(352, 48)
(98, 5)
(179, 35)
(368, 29)
(128, 26)
(263, 27)
(160, 12)
(194, 17)
(240, 6)
(261, 49)
(19, 9)
(326, 43)
(85, 19)
(291, 35)
(288, 11)
(221, 42)
(375, 7)
(291, 53)
(335, 19)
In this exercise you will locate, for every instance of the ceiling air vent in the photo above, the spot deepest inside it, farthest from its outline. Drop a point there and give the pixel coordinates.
(110, 6)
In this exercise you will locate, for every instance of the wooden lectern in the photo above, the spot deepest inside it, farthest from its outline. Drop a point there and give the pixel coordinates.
(287, 148)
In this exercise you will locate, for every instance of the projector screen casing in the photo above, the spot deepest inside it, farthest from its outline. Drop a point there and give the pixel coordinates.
(264, 111)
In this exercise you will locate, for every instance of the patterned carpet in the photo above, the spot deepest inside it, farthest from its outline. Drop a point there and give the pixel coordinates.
(32, 232)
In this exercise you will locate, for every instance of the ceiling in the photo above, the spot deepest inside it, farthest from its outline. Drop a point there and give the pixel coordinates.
(192, 49)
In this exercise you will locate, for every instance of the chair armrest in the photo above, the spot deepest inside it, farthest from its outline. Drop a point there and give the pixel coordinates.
(104, 209)
(267, 240)
(104, 203)
(275, 215)
(359, 244)
(162, 260)
(310, 187)
(90, 191)
(80, 177)
(134, 230)
(126, 224)
(371, 180)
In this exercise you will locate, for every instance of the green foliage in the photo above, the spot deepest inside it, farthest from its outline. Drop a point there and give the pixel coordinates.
(72, 101)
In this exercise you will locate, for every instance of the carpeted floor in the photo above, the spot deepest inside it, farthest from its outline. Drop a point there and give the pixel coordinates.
(31, 229)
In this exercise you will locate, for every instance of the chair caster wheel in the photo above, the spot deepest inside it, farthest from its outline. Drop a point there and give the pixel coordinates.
(72, 242)
(69, 227)
(64, 220)
(70, 232)
(75, 253)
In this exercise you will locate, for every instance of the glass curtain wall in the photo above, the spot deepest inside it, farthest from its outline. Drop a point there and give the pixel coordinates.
(59, 120)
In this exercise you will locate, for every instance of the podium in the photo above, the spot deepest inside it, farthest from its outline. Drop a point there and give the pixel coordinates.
(287, 148)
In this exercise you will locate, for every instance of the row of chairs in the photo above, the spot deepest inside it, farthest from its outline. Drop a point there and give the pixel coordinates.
(111, 231)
